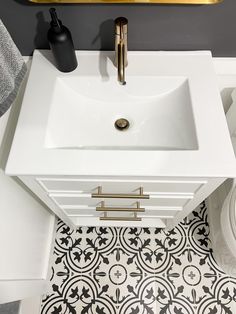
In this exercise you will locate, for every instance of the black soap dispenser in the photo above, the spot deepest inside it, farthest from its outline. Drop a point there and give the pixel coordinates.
(61, 44)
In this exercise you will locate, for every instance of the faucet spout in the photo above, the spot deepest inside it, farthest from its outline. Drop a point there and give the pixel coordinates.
(121, 63)
(121, 25)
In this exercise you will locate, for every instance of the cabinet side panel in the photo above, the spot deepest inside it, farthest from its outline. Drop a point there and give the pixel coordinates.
(200, 196)
(26, 229)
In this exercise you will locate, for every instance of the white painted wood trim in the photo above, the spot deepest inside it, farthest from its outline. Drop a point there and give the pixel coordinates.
(12, 290)
(51, 239)
(30, 306)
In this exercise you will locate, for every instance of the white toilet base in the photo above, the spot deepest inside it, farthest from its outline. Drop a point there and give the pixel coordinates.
(221, 235)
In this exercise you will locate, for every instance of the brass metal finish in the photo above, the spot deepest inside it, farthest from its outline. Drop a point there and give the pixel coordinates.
(134, 218)
(103, 208)
(122, 124)
(131, 1)
(121, 31)
(121, 26)
(99, 194)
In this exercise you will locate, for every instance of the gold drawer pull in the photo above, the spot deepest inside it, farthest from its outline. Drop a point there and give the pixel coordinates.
(99, 194)
(134, 218)
(103, 208)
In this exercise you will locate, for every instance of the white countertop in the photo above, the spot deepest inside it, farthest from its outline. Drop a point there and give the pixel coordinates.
(214, 158)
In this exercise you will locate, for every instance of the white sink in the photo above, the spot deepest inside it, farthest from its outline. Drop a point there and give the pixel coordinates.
(84, 110)
(171, 100)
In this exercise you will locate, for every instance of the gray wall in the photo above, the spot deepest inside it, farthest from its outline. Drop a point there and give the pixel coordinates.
(151, 27)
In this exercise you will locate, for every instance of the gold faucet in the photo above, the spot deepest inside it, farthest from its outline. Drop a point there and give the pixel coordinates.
(121, 30)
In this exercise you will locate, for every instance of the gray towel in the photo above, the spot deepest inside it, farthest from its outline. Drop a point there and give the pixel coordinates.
(12, 70)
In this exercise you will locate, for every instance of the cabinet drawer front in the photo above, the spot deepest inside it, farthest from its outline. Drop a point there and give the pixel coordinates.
(119, 186)
(94, 221)
(89, 211)
(73, 200)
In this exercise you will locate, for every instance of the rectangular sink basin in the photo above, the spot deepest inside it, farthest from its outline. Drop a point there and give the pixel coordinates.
(157, 110)
(174, 123)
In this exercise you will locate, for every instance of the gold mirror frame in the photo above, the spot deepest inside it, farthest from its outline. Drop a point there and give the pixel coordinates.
(131, 1)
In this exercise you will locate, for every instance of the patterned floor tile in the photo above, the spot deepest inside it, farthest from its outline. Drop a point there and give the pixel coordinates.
(198, 240)
(229, 295)
(138, 271)
(83, 248)
(218, 299)
(140, 297)
(80, 294)
(171, 300)
(168, 248)
(138, 244)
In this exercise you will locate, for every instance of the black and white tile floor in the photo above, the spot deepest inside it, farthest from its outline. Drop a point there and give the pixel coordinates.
(138, 271)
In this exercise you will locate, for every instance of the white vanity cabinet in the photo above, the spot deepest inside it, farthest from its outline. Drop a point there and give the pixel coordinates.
(112, 201)
(175, 153)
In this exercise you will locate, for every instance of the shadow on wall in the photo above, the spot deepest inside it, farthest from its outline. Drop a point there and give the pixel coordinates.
(105, 35)
(40, 40)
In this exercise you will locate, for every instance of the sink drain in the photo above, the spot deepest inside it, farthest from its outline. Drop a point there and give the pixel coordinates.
(121, 124)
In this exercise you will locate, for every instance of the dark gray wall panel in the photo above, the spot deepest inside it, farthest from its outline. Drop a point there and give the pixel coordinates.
(151, 27)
